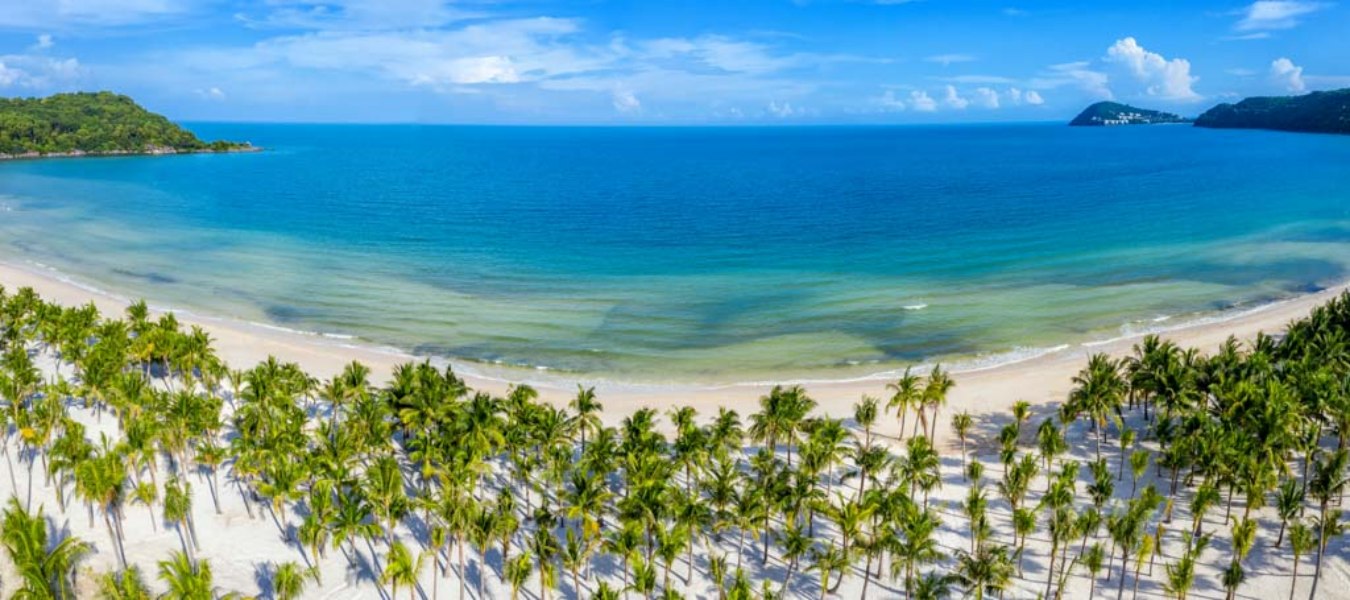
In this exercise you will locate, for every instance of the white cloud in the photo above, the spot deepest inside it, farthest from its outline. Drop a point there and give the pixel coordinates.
(626, 102)
(211, 93)
(1167, 79)
(1287, 75)
(954, 100)
(784, 110)
(1276, 14)
(1079, 74)
(1033, 98)
(37, 72)
(889, 102)
(948, 59)
(55, 14)
(44, 42)
(985, 97)
(920, 101)
(357, 14)
(977, 79)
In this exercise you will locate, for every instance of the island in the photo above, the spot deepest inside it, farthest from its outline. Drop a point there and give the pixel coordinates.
(1316, 112)
(94, 124)
(1103, 114)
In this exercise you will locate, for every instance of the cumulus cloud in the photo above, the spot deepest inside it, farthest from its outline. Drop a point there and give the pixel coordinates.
(1287, 75)
(783, 110)
(44, 42)
(985, 98)
(1033, 98)
(626, 102)
(1275, 14)
(889, 102)
(920, 101)
(952, 99)
(38, 72)
(1167, 79)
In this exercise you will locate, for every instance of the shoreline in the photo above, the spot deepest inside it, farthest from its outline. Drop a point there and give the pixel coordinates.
(125, 153)
(1041, 377)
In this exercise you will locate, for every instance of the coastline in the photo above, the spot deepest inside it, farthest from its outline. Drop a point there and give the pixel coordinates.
(113, 153)
(1041, 377)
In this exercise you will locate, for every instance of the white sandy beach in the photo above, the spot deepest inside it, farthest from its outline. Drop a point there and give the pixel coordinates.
(241, 549)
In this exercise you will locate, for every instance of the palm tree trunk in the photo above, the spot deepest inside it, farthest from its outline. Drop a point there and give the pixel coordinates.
(1124, 568)
(1321, 544)
(1050, 572)
(1293, 581)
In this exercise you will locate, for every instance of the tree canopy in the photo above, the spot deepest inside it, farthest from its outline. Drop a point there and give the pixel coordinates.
(95, 123)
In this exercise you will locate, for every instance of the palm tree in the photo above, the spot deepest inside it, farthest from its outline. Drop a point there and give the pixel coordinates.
(1181, 574)
(587, 410)
(907, 393)
(1098, 392)
(918, 544)
(123, 585)
(1093, 560)
(961, 424)
(1301, 542)
(988, 570)
(186, 580)
(401, 569)
(45, 570)
(1329, 480)
(288, 581)
(178, 510)
(932, 587)
(518, 571)
(826, 562)
(935, 392)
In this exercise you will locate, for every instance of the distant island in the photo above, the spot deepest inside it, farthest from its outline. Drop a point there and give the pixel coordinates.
(1103, 114)
(1317, 112)
(94, 124)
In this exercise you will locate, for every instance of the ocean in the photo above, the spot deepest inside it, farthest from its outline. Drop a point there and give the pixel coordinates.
(701, 254)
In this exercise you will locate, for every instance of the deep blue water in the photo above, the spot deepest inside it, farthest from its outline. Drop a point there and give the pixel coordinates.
(703, 253)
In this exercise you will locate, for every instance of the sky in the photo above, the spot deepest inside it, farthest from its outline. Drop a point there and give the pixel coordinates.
(669, 62)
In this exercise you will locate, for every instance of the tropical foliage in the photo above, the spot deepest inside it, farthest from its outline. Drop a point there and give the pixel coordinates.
(100, 122)
(426, 478)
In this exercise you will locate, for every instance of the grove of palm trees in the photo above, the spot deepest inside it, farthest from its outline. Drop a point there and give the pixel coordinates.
(138, 464)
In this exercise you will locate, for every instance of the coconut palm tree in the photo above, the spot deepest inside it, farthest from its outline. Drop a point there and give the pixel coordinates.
(961, 424)
(44, 569)
(288, 581)
(1301, 540)
(401, 570)
(1328, 481)
(906, 395)
(123, 585)
(185, 579)
(987, 570)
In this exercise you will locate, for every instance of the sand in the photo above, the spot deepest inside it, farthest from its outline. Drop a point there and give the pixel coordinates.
(242, 549)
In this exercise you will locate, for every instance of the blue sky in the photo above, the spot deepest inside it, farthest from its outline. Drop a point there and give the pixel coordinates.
(669, 61)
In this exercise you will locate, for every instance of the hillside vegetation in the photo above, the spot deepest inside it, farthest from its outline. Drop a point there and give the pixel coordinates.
(93, 123)
(1322, 112)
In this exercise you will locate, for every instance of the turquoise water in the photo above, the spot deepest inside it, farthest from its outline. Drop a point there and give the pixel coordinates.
(702, 254)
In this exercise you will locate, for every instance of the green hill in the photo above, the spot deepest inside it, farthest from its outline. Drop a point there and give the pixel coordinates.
(1114, 113)
(1320, 112)
(93, 123)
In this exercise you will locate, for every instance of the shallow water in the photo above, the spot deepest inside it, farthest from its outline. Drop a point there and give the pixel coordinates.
(709, 254)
